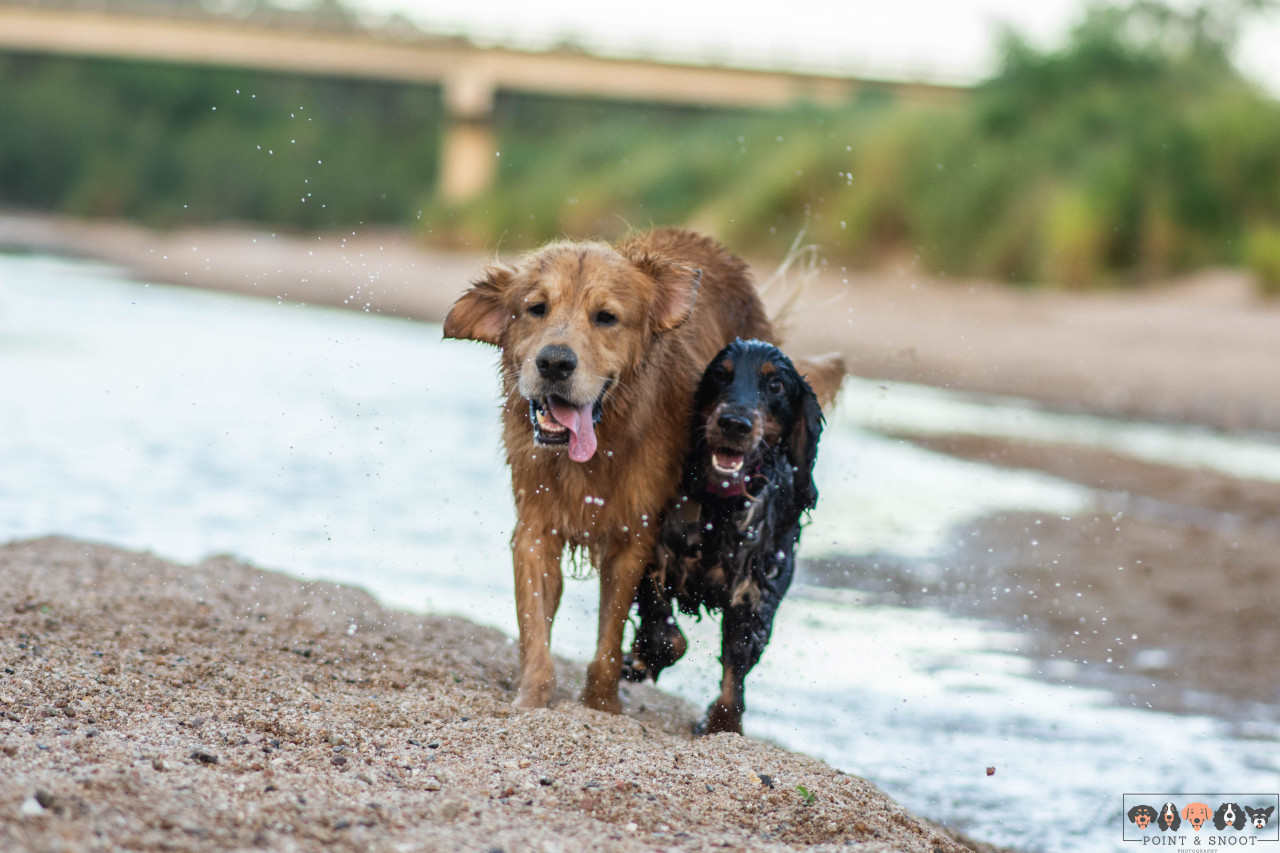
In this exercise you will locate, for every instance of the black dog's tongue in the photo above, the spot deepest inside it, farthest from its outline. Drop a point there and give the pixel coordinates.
(582, 430)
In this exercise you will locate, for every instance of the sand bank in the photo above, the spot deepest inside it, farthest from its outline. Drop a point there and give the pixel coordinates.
(146, 705)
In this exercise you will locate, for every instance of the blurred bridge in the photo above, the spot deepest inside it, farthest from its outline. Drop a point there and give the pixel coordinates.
(468, 74)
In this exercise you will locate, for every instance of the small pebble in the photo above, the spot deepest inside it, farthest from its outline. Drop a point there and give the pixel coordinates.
(204, 757)
(338, 760)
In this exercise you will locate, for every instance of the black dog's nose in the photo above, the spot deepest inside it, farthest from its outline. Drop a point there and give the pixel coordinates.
(734, 427)
(556, 362)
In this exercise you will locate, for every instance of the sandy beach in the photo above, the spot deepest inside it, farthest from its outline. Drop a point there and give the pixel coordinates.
(150, 706)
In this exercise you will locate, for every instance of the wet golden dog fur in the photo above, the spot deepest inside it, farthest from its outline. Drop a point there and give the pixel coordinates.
(615, 333)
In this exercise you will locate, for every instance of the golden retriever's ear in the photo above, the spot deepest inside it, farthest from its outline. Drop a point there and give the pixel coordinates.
(479, 314)
(676, 293)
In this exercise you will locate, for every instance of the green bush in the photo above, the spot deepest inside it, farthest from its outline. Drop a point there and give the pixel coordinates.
(1262, 256)
(1133, 151)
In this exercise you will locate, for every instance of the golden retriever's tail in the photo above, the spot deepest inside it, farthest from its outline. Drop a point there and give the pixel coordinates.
(781, 291)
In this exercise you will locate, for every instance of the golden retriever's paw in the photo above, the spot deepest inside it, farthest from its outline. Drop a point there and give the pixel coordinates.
(601, 694)
(608, 704)
(534, 695)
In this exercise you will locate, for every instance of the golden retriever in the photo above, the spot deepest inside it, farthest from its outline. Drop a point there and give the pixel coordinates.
(602, 348)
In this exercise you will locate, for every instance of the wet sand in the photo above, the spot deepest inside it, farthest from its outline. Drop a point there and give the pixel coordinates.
(146, 705)
(1165, 594)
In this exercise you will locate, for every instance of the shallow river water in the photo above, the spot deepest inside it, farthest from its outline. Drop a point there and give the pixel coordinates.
(364, 449)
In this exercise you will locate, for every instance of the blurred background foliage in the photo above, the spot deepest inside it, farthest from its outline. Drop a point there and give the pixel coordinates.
(170, 145)
(1133, 151)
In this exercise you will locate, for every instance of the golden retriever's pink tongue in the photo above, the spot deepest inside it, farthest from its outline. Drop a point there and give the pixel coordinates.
(582, 432)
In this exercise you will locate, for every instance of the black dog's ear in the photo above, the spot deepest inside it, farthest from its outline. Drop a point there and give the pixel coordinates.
(480, 314)
(802, 448)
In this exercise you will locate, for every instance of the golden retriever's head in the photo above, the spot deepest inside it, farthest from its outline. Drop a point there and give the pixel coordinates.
(573, 320)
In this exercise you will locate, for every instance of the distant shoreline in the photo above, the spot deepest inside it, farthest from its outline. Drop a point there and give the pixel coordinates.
(1200, 350)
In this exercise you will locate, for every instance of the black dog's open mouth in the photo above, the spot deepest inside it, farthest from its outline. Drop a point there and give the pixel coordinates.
(557, 422)
(732, 473)
(726, 462)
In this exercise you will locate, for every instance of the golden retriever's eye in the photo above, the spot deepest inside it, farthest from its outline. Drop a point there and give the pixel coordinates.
(776, 387)
(537, 309)
(606, 318)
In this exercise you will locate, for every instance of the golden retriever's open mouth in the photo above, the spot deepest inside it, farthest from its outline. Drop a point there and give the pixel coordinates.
(557, 422)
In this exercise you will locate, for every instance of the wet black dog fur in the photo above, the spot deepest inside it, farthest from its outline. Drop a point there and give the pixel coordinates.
(728, 544)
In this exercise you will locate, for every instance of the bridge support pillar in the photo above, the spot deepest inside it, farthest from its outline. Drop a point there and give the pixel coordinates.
(469, 153)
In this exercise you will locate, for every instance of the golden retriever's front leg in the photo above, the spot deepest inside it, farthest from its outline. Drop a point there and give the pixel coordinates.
(536, 556)
(620, 574)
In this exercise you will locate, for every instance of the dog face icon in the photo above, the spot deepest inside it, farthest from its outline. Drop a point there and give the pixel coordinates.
(1229, 814)
(1168, 819)
(1259, 817)
(1143, 816)
(1196, 814)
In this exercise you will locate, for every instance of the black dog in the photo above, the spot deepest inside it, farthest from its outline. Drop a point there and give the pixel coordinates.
(1169, 818)
(1229, 814)
(1259, 817)
(1143, 816)
(729, 542)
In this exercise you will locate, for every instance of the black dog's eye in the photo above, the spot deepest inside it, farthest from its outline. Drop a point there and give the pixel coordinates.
(538, 309)
(775, 386)
(606, 318)
(720, 373)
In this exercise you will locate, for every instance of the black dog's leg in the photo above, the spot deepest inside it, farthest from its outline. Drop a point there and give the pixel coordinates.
(744, 634)
(659, 642)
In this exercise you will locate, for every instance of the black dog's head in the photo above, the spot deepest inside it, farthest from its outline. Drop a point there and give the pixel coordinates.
(1229, 814)
(1143, 816)
(1169, 818)
(752, 402)
(1259, 817)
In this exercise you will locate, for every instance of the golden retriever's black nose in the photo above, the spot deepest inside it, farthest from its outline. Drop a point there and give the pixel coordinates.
(734, 427)
(556, 362)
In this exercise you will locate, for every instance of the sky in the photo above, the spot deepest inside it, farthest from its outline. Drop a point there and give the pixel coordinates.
(938, 40)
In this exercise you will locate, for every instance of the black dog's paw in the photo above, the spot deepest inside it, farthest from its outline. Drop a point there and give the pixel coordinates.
(635, 670)
(718, 718)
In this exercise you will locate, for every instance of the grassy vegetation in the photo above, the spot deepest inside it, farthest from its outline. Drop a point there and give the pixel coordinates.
(1132, 151)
